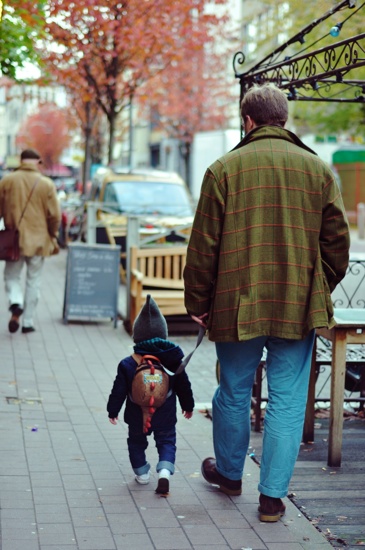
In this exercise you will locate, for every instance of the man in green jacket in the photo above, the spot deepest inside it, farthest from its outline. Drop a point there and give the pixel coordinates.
(269, 243)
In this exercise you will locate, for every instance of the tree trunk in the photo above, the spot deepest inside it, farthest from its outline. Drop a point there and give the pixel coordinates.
(86, 167)
(111, 120)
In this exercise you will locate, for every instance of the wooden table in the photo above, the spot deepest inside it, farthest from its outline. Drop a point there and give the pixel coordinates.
(349, 329)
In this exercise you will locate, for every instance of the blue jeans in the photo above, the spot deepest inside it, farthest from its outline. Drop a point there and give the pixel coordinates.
(166, 447)
(288, 365)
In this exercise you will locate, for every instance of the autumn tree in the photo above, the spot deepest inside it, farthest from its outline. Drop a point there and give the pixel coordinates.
(47, 131)
(116, 47)
(20, 28)
(194, 95)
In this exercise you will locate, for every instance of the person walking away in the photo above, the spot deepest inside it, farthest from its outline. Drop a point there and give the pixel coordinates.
(269, 243)
(150, 338)
(38, 231)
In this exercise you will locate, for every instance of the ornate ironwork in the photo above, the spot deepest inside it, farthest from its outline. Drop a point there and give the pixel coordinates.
(350, 292)
(315, 75)
(299, 37)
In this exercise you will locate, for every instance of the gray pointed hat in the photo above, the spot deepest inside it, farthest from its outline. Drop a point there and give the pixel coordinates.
(150, 323)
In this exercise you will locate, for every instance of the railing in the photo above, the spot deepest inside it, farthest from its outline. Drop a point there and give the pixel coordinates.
(350, 293)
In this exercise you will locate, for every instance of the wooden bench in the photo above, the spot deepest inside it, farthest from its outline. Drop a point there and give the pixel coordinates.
(159, 272)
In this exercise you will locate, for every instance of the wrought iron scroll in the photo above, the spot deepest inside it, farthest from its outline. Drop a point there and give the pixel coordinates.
(306, 77)
(299, 37)
(350, 292)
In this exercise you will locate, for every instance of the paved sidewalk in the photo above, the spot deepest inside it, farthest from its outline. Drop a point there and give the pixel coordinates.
(65, 478)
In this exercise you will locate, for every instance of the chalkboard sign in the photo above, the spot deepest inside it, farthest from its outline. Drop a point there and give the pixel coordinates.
(92, 282)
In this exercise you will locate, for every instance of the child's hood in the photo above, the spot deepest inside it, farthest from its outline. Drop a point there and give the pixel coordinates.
(169, 354)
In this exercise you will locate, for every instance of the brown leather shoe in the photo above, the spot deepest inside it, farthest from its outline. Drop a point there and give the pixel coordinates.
(16, 312)
(227, 486)
(271, 509)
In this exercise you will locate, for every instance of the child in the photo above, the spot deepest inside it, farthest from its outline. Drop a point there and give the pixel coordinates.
(150, 337)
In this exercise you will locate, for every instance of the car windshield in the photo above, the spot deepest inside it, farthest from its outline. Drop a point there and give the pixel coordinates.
(149, 198)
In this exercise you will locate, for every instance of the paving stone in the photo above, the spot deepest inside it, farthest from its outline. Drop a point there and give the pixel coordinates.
(84, 517)
(169, 538)
(207, 534)
(21, 533)
(19, 545)
(78, 482)
(151, 518)
(18, 514)
(54, 515)
(89, 542)
(135, 541)
(228, 519)
(57, 538)
(243, 538)
(56, 528)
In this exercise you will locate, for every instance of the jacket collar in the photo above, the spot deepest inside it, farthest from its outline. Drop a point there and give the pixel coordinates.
(272, 132)
(27, 166)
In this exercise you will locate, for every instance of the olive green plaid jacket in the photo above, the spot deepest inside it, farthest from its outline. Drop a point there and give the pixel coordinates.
(269, 243)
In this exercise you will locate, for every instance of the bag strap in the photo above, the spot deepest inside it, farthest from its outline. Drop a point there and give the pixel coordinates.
(186, 360)
(28, 199)
(188, 357)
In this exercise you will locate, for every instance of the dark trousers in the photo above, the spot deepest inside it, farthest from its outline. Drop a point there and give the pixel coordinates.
(166, 447)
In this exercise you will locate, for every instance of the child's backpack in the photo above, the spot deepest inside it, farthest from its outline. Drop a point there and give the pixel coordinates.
(150, 387)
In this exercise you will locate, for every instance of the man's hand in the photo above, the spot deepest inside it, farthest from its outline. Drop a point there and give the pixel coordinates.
(187, 415)
(201, 320)
(113, 420)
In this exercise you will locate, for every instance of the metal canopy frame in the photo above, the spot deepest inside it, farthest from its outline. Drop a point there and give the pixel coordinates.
(314, 75)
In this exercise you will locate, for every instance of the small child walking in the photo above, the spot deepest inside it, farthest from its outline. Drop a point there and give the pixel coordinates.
(150, 338)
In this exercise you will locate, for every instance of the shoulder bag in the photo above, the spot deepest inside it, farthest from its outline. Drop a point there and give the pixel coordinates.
(9, 238)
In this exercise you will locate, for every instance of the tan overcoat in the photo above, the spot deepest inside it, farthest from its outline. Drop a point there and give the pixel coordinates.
(39, 226)
(269, 242)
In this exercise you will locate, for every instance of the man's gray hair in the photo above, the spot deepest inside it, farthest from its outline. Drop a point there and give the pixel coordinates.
(266, 105)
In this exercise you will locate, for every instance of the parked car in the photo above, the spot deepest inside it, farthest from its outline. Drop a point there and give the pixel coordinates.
(161, 200)
(66, 184)
(3, 172)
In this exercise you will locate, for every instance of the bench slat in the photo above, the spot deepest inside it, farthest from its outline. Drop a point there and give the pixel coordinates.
(159, 272)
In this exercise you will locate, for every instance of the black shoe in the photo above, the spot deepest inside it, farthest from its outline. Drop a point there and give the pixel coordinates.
(16, 312)
(163, 486)
(15, 308)
(271, 509)
(25, 330)
(227, 486)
